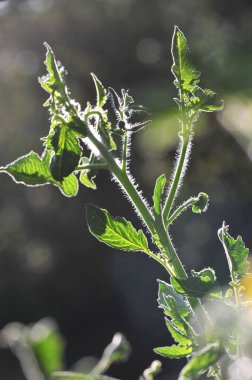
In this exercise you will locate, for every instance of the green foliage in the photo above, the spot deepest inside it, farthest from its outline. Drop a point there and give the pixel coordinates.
(158, 192)
(201, 285)
(177, 335)
(80, 143)
(200, 362)
(192, 98)
(186, 77)
(115, 232)
(67, 152)
(237, 253)
(174, 352)
(32, 170)
(100, 92)
(176, 308)
(201, 203)
(165, 292)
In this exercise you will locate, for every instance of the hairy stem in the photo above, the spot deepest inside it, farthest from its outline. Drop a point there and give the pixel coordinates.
(179, 210)
(153, 226)
(177, 178)
(125, 183)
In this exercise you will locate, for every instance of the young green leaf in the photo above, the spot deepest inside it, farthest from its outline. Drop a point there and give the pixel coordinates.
(115, 232)
(174, 306)
(67, 151)
(104, 130)
(197, 287)
(53, 82)
(236, 252)
(85, 180)
(186, 77)
(201, 203)
(177, 335)
(206, 100)
(174, 352)
(158, 192)
(200, 362)
(165, 291)
(207, 274)
(100, 92)
(32, 170)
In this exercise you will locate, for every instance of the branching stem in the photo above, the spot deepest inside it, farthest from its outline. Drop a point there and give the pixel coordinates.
(177, 178)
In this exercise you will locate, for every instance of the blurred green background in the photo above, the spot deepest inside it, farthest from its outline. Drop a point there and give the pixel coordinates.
(49, 263)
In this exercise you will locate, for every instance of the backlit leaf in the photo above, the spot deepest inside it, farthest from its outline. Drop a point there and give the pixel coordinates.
(207, 101)
(236, 252)
(176, 334)
(186, 76)
(67, 151)
(200, 286)
(158, 191)
(174, 306)
(115, 232)
(165, 291)
(174, 352)
(32, 170)
(100, 92)
(200, 362)
(85, 180)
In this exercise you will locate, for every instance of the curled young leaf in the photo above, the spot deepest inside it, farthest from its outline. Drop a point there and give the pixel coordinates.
(201, 203)
(236, 252)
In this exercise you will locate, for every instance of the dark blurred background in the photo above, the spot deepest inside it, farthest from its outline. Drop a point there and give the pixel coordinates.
(49, 263)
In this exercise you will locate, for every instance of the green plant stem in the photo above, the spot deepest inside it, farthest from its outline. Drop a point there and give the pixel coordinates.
(140, 206)
(177, 178)
(167, 266)
(179, 210)
(125, 183)
(154, 227)
(238, 305)
(234, 281)
(91, 166)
